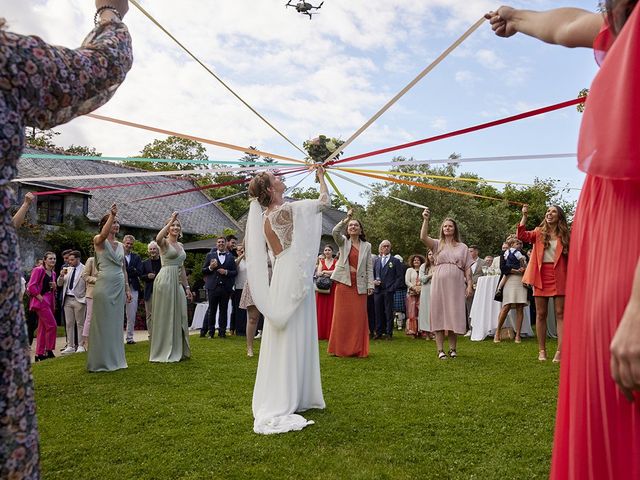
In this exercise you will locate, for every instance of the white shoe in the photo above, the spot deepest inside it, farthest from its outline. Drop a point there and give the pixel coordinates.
(68, 350)
(81, 349)
(259, 335)
(468, 334)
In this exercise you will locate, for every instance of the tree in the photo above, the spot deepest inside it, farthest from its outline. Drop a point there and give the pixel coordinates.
(482, 222)
(239, 204)
(173, 148)
(313, 193)
(82, 151)
(43, 139)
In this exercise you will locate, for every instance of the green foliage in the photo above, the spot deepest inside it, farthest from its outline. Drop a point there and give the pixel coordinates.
(239, 204)
(321, 147)
(176, 148)
(482, 222)
(70, 237)
(84, 151)
(400, 414)
(43, 139)
(313, 193)
(583, 93)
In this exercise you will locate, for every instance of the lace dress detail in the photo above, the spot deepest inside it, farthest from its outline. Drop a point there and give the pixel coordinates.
(281, 222)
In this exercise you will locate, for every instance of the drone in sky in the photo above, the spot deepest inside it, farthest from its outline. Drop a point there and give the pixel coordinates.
(304, 7)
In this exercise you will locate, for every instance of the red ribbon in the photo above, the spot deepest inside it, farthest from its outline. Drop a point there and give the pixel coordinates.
(482, 126)
(102, 187)
(212, 185)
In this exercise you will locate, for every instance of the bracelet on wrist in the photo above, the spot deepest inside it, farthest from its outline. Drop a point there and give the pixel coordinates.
(104, 8)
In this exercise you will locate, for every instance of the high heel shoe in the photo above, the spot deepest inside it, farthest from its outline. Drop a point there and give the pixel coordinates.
(50, 354)
(40, 358)
(249, 352)
(556, 357)
(542, 355)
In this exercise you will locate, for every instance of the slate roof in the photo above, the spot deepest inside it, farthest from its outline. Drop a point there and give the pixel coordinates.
(148, 214)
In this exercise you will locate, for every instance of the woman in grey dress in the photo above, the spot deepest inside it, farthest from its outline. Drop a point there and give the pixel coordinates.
(170, 340)
(109, 294)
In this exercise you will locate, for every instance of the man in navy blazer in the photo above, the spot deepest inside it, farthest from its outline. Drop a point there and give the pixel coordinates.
(388, 276)
(219, 272)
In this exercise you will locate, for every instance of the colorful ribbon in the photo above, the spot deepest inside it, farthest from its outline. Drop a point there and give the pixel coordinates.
(188, 52)
(475, 128)
(191, 137)
(408, 87)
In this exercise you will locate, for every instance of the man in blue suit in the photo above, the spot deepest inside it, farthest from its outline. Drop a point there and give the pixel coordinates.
(388, 275)
(219, 272)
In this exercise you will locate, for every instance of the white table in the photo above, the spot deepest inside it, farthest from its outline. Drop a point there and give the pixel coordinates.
(201, 311)
(485, 310)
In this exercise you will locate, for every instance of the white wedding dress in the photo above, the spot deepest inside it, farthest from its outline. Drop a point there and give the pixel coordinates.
(288, 376)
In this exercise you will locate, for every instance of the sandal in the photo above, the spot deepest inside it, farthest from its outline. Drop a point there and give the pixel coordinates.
(518, 339)
(556, 357)
(442, 355)
(496, 338)
(452, 353)
(542, 355)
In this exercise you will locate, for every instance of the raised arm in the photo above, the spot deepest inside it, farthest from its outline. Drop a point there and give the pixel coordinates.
(324, 191)
(337, 234)
(429, 242)
(569, 27)
(18, 218)
(161, 237)
(99, 239)
(72, 82)
(522, 233)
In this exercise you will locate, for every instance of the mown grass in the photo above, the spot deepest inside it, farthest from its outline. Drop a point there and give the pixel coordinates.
(400, 414)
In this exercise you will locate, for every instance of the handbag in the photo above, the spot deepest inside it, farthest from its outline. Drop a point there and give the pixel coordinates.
(498, 295)
(323, 284)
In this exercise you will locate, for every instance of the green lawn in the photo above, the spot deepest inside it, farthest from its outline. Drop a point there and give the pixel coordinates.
(400, 414)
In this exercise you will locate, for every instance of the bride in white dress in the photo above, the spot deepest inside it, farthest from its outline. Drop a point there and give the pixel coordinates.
(288, 377)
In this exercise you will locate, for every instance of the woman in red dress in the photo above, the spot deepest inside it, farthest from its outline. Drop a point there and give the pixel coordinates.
(353, 277)
(324, 301)
(547, 270)
(598, 420)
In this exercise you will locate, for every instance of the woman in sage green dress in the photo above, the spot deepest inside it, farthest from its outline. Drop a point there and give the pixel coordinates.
(110, 292)
(170, 340)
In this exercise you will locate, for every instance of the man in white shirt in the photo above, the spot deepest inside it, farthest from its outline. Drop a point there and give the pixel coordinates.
(73, 301)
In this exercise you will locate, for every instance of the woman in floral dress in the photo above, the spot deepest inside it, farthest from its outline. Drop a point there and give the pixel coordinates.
(41, 86)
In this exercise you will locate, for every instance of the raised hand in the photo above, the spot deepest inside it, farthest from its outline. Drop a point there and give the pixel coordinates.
(525, 210)
(114, 210)
(501, 23)
(426, 214)
(122, 6)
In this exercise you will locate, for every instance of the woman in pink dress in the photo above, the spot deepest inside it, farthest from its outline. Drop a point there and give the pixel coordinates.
(451, 283)
(324, 301)
(598, 420)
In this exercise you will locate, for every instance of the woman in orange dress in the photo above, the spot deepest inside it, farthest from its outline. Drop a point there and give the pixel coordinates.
(353, 277)
(597, 432)
(547, 270)
(324, 301)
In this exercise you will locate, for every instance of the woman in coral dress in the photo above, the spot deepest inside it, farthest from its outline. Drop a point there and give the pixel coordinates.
(353, 277)
(598, 420)
(324, 301)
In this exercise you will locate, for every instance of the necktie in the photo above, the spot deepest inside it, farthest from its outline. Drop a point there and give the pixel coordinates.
(384, 261)
(73, 276)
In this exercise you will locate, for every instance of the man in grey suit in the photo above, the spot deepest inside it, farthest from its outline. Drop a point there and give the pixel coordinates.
(476, 273)
(73, 301)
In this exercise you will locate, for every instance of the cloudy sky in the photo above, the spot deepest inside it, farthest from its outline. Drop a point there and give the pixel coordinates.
(330, 75)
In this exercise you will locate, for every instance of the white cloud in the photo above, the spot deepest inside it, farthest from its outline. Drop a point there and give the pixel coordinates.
(439, 124)
(489, 59)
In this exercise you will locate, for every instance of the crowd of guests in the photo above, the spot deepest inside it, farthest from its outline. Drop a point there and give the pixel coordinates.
(431, 295)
